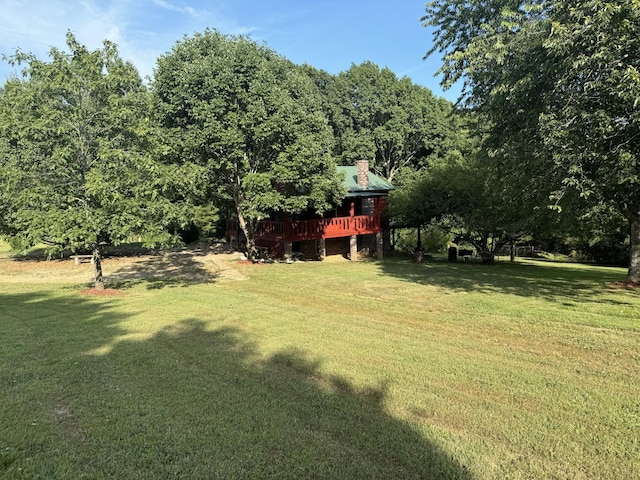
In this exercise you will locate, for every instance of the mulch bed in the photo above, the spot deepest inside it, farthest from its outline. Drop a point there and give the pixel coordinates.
(627, 285)
(107, 292)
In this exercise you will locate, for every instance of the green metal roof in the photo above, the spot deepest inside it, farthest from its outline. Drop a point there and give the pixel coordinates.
(376, 184)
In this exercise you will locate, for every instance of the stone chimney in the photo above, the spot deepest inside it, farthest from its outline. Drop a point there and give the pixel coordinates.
(363, 173)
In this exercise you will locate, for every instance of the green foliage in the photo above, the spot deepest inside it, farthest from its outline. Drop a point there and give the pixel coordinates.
(79, 167)
(391, 122)
(254, 120)
(593, 115)
(5, 195)
(600, 235)
(207, 220)
(433, 239)
(467, 198)
(425, 194)
(557, 85)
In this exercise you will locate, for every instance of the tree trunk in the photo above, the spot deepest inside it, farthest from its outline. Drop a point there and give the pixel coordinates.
(633, 274)
(487, 257)
(97, 266)
(485, 251)
(512, 251)
(249, 236)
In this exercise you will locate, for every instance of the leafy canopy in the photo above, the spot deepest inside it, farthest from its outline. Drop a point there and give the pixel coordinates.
(254, 120)
(390, 121)
(557, 82)
(78, 156)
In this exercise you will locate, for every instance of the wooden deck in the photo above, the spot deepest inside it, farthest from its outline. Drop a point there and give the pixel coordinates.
(302, 230)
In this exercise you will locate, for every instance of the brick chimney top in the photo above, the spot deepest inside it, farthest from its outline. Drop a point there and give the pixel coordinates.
(363, 173)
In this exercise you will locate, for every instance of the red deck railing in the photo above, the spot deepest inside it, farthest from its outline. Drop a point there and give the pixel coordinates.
(313, 229)
(331, 227)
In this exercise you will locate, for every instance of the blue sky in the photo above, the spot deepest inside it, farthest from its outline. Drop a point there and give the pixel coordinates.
(328, 34)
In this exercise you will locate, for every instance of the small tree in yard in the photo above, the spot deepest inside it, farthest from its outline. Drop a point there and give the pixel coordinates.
(77, 167)
(254, 120)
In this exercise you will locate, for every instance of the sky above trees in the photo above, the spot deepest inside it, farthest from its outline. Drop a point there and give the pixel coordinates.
(328, 34)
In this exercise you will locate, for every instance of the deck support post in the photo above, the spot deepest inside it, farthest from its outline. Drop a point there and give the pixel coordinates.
(322, 248)
(353, 247)
(379, 249)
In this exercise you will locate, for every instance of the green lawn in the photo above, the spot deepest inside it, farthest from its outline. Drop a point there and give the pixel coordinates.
(325, 370)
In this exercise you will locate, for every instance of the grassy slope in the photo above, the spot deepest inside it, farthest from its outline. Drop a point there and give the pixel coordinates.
(326, 370)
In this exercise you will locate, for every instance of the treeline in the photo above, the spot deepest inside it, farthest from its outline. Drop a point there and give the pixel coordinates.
(90, 155)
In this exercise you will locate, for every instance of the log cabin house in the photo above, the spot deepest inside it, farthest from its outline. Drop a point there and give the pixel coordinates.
(356, 225)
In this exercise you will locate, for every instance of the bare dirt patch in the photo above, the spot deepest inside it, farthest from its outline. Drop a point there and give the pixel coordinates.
(201, 264)
(626, 285)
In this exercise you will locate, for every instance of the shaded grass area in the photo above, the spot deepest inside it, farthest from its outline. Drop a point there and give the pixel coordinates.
(311, 370)
(186, 402)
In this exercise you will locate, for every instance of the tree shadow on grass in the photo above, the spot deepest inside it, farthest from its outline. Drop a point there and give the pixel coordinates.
(539, 280)
(195, 403)
(43, 336)
(225, 412)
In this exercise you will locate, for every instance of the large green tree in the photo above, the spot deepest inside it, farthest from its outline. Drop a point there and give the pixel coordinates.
(79, 163)
(390, 121)
(254, 120)
(558, 84)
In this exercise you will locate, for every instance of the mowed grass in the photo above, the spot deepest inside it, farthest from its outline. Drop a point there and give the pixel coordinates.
(325, 370)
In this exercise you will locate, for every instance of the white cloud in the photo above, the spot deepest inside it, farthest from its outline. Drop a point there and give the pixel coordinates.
(169, 6)
(142, 29)
(36, 26)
